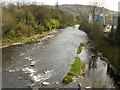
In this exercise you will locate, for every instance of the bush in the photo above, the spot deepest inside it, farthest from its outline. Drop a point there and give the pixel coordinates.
(82, 44)
(23, 21)
(21, 30)
(40, 29)
(71, 73)
(8, 22)
(55, 23)
(67, 79)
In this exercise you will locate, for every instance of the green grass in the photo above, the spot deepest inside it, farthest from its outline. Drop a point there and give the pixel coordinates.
(44, 33)
(77, 69)
(82, 44)
(79, 50)
(67, 79)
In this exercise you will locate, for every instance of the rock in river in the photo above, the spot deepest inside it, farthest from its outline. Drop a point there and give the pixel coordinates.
(33, 63)
(45, 83)
(20, 78)
(88, 87)
(57, 83)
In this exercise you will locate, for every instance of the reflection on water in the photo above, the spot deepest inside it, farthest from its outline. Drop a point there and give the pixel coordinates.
(92, 63)
(97, 71)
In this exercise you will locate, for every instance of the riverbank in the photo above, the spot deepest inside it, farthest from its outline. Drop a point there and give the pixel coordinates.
(35, 38)
(101, 44)
(108, 54)
(112, 52)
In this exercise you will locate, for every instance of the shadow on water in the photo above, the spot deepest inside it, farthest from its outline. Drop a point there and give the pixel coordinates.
(100, 71)
(97, 72)
(114, 75)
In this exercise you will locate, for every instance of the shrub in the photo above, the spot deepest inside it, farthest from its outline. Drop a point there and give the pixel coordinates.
(40, 29)
(71, 73)
(21, 30)
(55, 23)
(82, 44)
(8, 22)
(67, 79)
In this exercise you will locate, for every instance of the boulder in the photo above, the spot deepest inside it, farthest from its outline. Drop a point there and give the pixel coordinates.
(32, 63)
(79, 85)
(88, 87)
(20, 78)
(45, 83)
(32, 85)
(92, 55)
(56, 83)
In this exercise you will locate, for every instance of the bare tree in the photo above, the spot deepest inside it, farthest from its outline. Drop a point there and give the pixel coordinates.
(96, 7)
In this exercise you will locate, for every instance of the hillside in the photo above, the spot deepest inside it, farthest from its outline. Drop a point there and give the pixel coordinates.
(77, 9)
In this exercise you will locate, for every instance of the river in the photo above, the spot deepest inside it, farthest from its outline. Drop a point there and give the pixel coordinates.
(30, 64)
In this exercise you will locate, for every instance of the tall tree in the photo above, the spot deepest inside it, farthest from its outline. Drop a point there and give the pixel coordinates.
(97, 8)
(71, 18)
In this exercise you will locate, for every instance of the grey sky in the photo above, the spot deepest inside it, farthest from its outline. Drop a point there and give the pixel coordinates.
(110, 4)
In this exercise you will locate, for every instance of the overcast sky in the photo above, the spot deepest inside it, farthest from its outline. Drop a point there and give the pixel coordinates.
(110, 4)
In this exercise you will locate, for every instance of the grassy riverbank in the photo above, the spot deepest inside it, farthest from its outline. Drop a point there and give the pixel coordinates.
(24, 22)
(8, 42)
(109, 49)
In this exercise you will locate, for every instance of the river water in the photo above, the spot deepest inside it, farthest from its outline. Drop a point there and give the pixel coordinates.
(30, 64)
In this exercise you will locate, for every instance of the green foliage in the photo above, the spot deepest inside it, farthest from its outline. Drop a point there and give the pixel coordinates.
(25, 20)
(29, 19)
(67, 79)
(8, 21)
(111, 51)
(39, 29)
(64, 21)
(55, 23)
(94, 30)
(71, 73)
(20, 15)
(71, 18)
(44, 33)
(68, 19)
(79, 50)
(77, 69)
(21, 30)
(82, 44)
